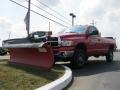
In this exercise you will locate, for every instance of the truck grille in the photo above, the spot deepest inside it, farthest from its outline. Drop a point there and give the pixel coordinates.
(54, 41)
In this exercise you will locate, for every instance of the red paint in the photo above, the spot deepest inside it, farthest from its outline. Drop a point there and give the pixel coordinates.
(94, 44)
(31, 56)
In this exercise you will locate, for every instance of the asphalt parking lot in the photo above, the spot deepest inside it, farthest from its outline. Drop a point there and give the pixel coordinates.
(97, 75)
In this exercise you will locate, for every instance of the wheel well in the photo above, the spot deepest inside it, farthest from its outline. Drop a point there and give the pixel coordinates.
(111, 47)
(82, 46)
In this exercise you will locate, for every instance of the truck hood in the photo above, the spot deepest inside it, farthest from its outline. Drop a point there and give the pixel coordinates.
(69, 35)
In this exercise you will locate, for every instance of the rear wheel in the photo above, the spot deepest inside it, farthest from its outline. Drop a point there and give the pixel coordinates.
(79, 58)
(109, 56)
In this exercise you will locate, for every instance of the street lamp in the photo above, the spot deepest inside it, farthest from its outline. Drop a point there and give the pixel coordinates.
(73, 16)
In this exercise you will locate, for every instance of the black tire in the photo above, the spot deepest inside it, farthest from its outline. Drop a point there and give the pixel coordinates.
(79, 58)
(3, 52)
(109, 56)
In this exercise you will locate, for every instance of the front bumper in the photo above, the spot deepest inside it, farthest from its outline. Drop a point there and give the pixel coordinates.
(63, 53)
(64, 56)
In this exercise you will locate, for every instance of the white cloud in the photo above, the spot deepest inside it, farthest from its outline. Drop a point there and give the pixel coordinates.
(50, 3)
(105, 13)
(110, 25)
(8, 27)
(5, 23)
(18, 30)
(5, 27)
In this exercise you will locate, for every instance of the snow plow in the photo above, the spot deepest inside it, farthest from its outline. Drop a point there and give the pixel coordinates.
(75, 44)
(34, 50)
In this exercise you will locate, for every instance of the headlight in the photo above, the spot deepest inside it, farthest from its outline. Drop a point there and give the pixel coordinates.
(59, 41)
(66, 43)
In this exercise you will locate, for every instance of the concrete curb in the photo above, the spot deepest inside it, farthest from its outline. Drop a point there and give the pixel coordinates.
(60, 83)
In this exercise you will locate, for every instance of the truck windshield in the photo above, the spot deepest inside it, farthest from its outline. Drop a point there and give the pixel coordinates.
(76, 29)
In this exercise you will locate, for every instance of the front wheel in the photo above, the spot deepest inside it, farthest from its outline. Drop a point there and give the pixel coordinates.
(109, 56)
(79, 58)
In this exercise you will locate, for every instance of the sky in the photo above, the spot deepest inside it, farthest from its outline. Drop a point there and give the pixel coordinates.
(105, 13)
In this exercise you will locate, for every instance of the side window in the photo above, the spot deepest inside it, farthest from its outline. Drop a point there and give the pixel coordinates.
(93, 31)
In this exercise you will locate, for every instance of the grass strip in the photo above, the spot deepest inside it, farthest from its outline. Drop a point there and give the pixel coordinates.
(14, 77)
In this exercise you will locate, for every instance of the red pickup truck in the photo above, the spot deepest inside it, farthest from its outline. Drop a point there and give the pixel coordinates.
(78, 43)
(75, 44)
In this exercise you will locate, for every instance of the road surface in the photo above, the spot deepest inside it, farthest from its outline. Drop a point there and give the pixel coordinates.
(97, 75)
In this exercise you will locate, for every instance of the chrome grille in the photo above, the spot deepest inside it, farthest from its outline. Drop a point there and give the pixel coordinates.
(54, 41)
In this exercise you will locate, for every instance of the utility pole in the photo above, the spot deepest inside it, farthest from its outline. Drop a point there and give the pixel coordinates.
(49, 26)
(29, 6)
(73, 16)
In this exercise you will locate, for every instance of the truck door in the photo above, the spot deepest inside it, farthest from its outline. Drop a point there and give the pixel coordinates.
(93, 41)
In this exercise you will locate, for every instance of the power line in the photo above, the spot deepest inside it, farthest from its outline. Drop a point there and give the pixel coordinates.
(38, 13)
(53, 10)
(49, 13)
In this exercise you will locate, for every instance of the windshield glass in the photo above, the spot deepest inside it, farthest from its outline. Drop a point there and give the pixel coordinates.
(76, 29)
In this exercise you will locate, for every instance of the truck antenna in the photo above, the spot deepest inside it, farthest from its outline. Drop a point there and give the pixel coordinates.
(93, 23)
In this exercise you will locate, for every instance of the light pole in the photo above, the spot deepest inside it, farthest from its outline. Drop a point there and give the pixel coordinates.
(73, 16)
